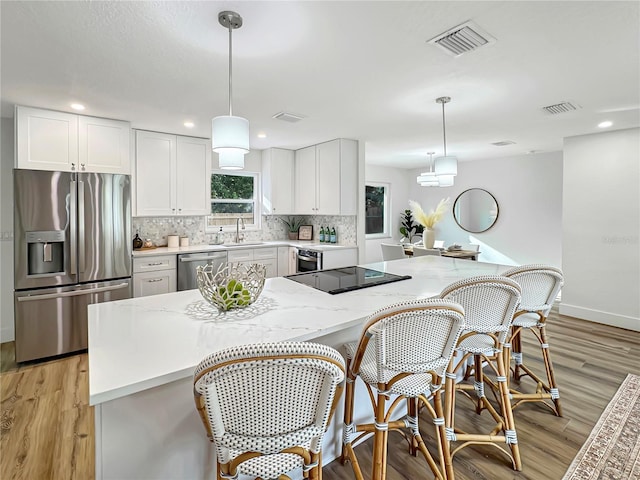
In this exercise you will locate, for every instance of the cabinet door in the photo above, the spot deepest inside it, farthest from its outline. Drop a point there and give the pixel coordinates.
(271, 264)
(155, 174)
(193, 176)
(277, 181)
(293, 260)
(103, 145)
(305, 181)
(328, 183)
(154, 283)
(283, 261)
(46, 140)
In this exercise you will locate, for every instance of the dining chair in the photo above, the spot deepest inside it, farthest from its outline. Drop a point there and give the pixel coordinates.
(392, 251)
(420, 252)
(266, 407)
(402, 354)
(489, 303)
(438, 244)
(540, 286)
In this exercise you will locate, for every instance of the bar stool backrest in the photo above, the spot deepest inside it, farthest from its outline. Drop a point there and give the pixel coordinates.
(540, 286)
(412, 337)
(489, 302)
(268, 397)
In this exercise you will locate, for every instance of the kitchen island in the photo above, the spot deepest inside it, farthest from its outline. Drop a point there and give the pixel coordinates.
(143, 351)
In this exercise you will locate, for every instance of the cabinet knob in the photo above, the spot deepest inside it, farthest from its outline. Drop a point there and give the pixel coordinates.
(82, 166)
(73, 166)
(173, 209)
(179, 209)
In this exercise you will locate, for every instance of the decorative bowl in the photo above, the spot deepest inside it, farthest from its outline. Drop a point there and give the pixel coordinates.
(232, 285)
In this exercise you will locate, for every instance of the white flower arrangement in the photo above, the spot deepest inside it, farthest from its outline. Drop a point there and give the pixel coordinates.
(433, 217)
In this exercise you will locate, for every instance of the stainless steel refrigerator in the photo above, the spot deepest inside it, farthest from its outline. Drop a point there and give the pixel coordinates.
(72, 248)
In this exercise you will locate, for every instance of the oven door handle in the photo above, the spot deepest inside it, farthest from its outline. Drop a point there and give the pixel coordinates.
(308, 259)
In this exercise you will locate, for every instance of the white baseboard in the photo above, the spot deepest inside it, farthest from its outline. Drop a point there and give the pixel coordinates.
(7, 334)
(598, 316)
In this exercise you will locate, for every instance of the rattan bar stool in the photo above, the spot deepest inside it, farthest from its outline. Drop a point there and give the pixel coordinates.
(489, 302)
(403, 352)
(266, 407)
(540, 287)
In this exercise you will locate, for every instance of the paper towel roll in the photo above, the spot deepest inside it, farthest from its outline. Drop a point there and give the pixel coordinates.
(173, 241)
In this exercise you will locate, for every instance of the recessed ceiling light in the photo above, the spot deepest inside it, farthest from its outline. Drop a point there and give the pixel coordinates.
(262, 135)
(189, 124)
(77, 106)
(606, 124)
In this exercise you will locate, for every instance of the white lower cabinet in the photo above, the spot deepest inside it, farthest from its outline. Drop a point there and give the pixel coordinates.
(153, 275)
(267, 256)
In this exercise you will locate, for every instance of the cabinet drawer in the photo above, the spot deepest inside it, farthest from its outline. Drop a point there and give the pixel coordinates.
(240, 255)
(271, 252)
(153, 263)
(154, 283)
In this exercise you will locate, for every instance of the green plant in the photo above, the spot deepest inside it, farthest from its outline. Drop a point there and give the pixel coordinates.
(408, 227)
(293, 223)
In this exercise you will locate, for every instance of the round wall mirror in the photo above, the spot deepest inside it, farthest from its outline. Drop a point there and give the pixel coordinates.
(475, 210)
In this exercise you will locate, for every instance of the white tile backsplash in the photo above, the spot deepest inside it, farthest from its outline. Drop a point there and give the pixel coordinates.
(157, 228)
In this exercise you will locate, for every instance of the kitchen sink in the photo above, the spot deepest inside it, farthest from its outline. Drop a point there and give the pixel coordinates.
(242, 244)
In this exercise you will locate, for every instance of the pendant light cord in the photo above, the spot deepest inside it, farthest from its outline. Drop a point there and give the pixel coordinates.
(444, 131)
(230, 66)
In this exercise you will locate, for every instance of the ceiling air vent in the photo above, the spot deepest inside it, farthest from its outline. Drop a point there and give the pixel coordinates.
(288, 117)
(462, 39)
(503, 143)
(562, 107)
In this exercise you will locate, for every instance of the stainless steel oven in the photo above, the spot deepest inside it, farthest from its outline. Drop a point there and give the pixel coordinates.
(308, 261)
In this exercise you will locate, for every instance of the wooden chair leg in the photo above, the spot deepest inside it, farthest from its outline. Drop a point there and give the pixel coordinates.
(507, 413)
(379, 440)
(546, 356)
(445, 452)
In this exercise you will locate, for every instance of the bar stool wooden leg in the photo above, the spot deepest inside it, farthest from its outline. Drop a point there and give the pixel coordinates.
(507, 413)
(553, 386)
(379, 439)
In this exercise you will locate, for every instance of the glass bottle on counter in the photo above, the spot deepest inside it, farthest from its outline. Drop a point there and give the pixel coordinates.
(137, 242)
(321, 234)
(327, 235)
(334, 237)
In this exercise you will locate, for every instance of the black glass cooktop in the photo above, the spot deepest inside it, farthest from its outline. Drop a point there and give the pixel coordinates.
(346, 279)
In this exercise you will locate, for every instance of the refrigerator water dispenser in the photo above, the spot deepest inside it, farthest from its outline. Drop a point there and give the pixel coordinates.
(45, 252)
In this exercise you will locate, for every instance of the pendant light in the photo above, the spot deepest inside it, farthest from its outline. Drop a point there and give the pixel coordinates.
(229, 134)
(448, 165)
(428, 179)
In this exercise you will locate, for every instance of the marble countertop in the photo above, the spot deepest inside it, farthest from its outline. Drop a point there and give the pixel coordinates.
(140, 343)
(319, 247)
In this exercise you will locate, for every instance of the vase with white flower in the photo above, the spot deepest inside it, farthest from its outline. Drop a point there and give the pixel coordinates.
(428, 220)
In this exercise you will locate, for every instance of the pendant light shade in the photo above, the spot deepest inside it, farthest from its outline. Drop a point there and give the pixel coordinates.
(229, 160)
(445, 180)
(428, 179)
(446, 165)
(229, 134)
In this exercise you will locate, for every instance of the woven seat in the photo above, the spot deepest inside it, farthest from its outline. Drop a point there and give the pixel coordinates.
(266, 407)
(489, 303)
(540, 287)
(404, 350)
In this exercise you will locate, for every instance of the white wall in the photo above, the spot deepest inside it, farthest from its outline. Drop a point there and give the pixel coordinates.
(601, 222)
(398, 181)
(528, 189)
(6, 230)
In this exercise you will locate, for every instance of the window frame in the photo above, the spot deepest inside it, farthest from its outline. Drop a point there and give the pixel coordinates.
(386, 233)
(256, 202)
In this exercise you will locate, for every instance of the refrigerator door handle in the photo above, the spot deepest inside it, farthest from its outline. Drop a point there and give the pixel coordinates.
(73, 228)
(81, 245)
(74, 293)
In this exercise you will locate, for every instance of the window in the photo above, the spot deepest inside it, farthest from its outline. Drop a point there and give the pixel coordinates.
(233, 196)
(377, 210)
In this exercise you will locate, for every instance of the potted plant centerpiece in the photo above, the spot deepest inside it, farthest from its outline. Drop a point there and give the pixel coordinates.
(428, 220)
(293, 225)
(409, 228)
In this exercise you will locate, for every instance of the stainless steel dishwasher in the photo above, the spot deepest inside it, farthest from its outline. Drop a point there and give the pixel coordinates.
(187, 263)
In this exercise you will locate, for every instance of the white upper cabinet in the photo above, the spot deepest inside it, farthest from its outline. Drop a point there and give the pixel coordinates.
(172, 175)
(50, 140)
(103, 145)
(326, 178)
(277, 181)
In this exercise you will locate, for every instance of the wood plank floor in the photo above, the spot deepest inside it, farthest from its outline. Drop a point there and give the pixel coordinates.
(46, 429)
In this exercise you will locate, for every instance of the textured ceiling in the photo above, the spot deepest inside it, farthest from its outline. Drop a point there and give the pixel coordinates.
(358, 70)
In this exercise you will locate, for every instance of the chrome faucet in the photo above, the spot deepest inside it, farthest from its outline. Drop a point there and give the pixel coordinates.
(238, 237)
